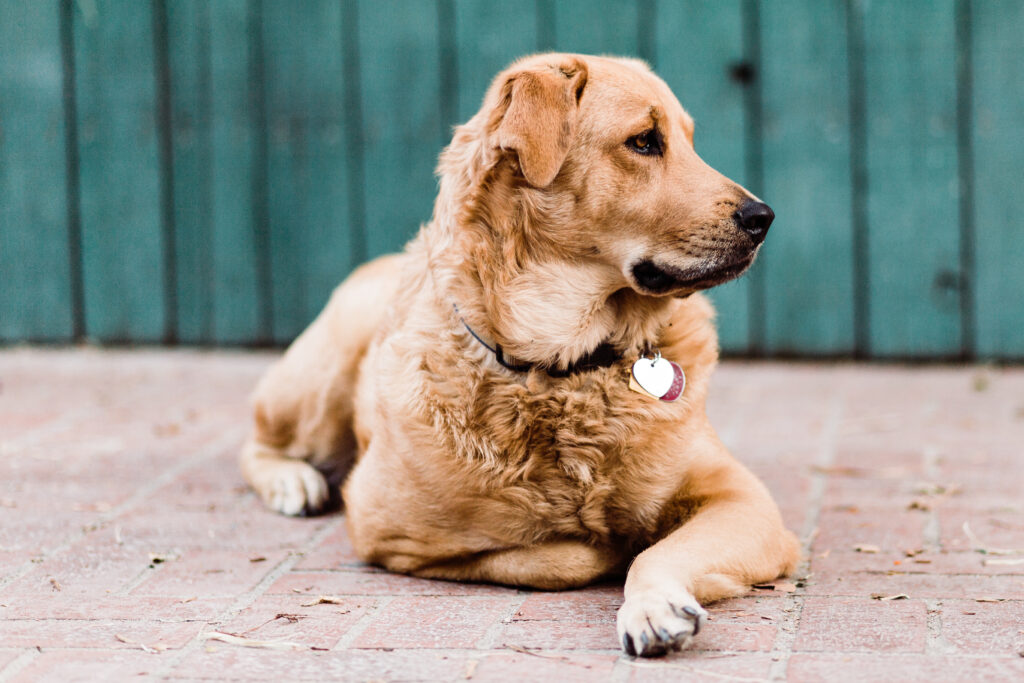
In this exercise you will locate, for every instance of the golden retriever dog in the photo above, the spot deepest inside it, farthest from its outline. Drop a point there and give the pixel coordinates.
(497, 399)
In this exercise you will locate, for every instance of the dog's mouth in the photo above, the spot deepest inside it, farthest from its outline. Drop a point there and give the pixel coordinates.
(659, 278)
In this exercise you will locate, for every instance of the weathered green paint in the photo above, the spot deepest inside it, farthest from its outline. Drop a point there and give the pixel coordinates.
(997, 113)
(697, 46)
(35, 278)
(912, 210)
(399, 53)
(806, 177)
(489, 37)
(241, 273)
(597, 27)
(301, 138)
(191, 93)
(120, 172)
(310, 239)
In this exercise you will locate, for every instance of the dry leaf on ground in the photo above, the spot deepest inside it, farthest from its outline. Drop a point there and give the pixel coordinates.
(232, 639)
(883, 597)
(1003, 561)
(324, 600)
(155, 649)
(985, 550)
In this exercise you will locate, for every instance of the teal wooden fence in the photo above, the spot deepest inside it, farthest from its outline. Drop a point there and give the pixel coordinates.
(181, 171)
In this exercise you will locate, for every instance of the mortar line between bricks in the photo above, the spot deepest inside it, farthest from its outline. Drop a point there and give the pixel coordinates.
(622, 670)
(935, 643)
(490, 636)
(363, 623)
(932, 531)
(140, 496)
(250, 596)
(785, 638)
(144, 575)
(36, 434)
(18, 664)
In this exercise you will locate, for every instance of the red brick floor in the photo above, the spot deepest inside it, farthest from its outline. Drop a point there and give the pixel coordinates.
(126, 537)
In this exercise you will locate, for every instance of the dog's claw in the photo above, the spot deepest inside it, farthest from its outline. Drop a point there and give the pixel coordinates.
(695, 615)
(627, 645)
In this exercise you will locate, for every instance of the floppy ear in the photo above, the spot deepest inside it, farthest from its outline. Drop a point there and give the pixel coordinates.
(538, 117)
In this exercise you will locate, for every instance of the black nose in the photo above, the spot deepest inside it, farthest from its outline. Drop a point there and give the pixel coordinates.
(754, 218)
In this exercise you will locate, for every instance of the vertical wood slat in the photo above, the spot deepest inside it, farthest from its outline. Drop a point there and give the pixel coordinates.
(191, 92)
(241, 264)
(806, 171)
(401, 111)
(310, 241)
(222, 283)
(696, 46)
(489, 37)
(122, 234)
(997, 113)
(36, 290)
(911, 163)
(165, 156)
(597, 27)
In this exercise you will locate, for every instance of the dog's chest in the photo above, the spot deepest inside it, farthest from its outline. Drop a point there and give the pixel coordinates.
(559, 454)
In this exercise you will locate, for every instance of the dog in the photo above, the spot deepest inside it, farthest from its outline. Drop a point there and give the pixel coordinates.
(497, 399)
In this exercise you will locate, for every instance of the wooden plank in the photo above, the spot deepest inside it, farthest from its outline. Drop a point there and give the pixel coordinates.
(240, 285)
(489, 36)
(35, 294)
(122, 237)
(997, 110)
(189, 55)
(807, 263)
(216, 137)
(402, 133)
(911, 161)
(310, 235)
(696, 47)
(597, 27)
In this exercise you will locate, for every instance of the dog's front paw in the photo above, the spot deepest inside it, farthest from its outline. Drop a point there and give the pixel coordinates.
(293, 488)
(653, 623)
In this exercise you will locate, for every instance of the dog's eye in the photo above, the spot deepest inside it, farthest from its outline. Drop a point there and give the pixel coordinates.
(648, 143)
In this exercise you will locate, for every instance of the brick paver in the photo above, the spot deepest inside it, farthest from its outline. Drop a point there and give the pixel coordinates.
(127, 538)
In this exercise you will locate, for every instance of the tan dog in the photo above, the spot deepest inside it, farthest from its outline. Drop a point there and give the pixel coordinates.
(479, 382)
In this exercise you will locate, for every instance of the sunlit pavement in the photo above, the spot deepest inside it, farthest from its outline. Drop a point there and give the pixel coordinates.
(129, 544)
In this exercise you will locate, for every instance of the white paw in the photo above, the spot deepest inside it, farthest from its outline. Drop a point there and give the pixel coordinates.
(654, 623)
(294, 488)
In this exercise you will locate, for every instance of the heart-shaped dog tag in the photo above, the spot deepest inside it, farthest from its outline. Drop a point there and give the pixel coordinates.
(654, 376)
(658, 378)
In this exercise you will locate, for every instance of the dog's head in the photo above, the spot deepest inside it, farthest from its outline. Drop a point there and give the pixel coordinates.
(599, 153)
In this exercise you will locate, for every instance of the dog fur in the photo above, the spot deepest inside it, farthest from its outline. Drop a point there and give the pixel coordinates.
(557, 228)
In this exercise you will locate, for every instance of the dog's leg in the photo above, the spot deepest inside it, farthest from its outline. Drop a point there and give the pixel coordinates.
(304, 405)
(735, 538)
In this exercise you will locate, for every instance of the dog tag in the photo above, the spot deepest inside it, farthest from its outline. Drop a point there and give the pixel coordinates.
(658, 378)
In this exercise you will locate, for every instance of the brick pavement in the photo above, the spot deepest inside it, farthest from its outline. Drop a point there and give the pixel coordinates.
(126, 536)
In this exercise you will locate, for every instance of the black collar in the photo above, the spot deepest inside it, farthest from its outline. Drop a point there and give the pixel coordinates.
(604, 356)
